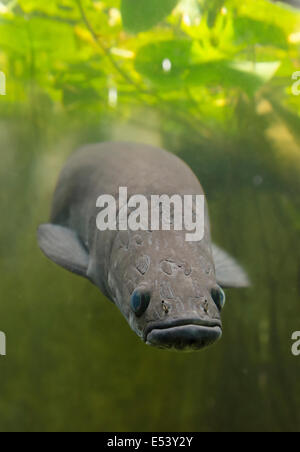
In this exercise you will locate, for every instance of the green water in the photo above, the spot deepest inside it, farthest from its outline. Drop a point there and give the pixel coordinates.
(72, 363)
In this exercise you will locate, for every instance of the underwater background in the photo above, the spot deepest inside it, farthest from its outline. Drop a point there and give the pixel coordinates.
(211, 81)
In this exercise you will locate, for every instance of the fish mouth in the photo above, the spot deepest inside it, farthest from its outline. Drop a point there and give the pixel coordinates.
(183, 335)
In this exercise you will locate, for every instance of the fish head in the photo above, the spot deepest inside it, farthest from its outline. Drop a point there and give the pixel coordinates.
(166, 288)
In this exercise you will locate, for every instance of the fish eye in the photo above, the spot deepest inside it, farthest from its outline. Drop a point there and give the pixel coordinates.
(219, 297)
(139, 302)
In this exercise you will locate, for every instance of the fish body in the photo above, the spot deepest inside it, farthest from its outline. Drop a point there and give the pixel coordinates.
(168, 289)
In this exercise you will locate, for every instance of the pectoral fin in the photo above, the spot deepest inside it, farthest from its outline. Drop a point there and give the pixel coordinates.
(63, 247)
(229, 273)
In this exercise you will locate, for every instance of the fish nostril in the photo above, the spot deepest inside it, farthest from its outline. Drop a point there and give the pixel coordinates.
(139, 301)
(219, 297)
(165, 307)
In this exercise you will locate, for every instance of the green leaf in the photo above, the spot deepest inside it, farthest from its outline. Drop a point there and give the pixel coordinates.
(212, 9)
(255, 32)
(141, 15)
(176, 54)
(187, 68)
(55, 8)
(228, 75)
(265, 71)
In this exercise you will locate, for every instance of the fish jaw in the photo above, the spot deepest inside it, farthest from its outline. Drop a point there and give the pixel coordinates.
(183, 335)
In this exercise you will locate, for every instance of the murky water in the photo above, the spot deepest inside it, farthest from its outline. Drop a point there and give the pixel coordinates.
(72, 362)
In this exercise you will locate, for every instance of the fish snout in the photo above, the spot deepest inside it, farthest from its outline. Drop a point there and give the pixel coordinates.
(187, 335)
(178, 323)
